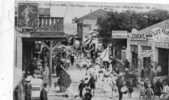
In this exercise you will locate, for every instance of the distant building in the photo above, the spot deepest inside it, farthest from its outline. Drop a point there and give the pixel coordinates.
(88, 23)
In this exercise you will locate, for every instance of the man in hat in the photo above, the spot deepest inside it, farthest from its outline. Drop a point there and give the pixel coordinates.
(28, 88)
(43, 93)
(81, 87)
(119, 84)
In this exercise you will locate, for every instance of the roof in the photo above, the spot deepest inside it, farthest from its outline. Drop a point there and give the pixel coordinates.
(161, 24)
(94, 14)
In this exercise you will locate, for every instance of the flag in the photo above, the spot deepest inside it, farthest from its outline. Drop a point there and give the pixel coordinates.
(105, 55)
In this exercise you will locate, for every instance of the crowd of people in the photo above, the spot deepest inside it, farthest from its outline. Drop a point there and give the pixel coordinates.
(102, 71)
(121, 79)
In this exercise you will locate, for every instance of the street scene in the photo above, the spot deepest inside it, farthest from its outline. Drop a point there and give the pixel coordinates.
(91, 51)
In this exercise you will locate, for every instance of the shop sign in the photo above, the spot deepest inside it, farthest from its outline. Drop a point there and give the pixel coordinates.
(162, 44)
(138, 36)
(119, 34)
(161, 30)
(146, 53)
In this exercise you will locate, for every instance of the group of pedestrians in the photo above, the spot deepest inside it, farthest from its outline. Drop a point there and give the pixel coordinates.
(104, 76)
(158, 88)
(23, 90)
(87, 87)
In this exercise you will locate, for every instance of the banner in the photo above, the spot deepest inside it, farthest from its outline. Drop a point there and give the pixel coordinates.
(105, 55)
(28, 15)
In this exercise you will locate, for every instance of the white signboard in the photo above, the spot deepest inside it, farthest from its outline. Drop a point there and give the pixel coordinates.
(119, 34)
(138, 36)
(146, 53)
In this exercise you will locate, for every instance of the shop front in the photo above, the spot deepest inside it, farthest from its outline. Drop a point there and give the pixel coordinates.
(119, 44)
(150, 46)
(163, 60)
(134, 56)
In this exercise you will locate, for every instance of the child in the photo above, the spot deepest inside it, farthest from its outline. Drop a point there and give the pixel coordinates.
(149, 93)
(142, 91)
(43, 93)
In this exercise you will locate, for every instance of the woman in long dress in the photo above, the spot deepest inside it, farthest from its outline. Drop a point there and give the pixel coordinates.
(46, 74)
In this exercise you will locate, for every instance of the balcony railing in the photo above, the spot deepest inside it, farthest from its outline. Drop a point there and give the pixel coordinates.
(50, 24)
(45, 24)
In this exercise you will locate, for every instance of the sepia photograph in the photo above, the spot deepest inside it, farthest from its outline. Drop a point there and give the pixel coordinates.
(72, 50)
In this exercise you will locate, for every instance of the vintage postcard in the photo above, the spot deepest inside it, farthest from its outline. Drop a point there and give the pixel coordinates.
(91, 51)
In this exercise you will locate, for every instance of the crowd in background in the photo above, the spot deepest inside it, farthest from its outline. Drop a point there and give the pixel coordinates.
(117, 74)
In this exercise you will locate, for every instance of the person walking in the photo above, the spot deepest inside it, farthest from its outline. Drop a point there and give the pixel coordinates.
(43, 92)
(81, 87)
(142, 91)
(28, 89)
(158, 88)
(46, 74)
(72, 59)
(119, 84)
(149, 93)
(88, 94)
(92, 82)
(130, 87)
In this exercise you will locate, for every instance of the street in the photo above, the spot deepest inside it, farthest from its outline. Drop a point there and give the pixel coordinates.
(99, 54)
(76, 75)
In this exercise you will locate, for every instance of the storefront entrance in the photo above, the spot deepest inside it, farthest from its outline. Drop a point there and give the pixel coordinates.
(146, 61)
(118, 45)
(134, 56)
(163, 58)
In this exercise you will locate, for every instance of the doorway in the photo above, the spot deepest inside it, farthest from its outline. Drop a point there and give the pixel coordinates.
(163, 58)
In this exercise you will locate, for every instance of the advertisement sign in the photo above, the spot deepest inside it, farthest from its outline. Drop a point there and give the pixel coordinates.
(138, 36)
(147, 53)
(28, 15)
(119, 34)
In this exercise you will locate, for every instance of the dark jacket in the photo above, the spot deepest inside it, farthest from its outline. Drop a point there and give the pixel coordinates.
(92, 82)
(43, 95)
(28, 91)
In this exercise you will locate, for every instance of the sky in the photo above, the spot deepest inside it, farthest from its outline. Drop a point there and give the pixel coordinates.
(70, 10)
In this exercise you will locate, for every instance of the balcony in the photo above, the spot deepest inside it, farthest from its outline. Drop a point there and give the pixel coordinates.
(50, 24)
(46, 27)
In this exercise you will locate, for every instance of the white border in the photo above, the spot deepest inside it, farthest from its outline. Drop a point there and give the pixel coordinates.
(7, 40)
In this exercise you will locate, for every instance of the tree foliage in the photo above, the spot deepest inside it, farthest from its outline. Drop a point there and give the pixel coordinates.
(128, 20)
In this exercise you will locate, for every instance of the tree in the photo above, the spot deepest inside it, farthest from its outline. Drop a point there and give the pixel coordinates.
(128, 20)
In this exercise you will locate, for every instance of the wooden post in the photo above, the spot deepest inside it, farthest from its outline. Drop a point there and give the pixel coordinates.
(50, 64)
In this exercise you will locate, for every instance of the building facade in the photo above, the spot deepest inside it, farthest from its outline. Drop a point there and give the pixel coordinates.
(88, 23)
(35, 27)
(150, 46)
